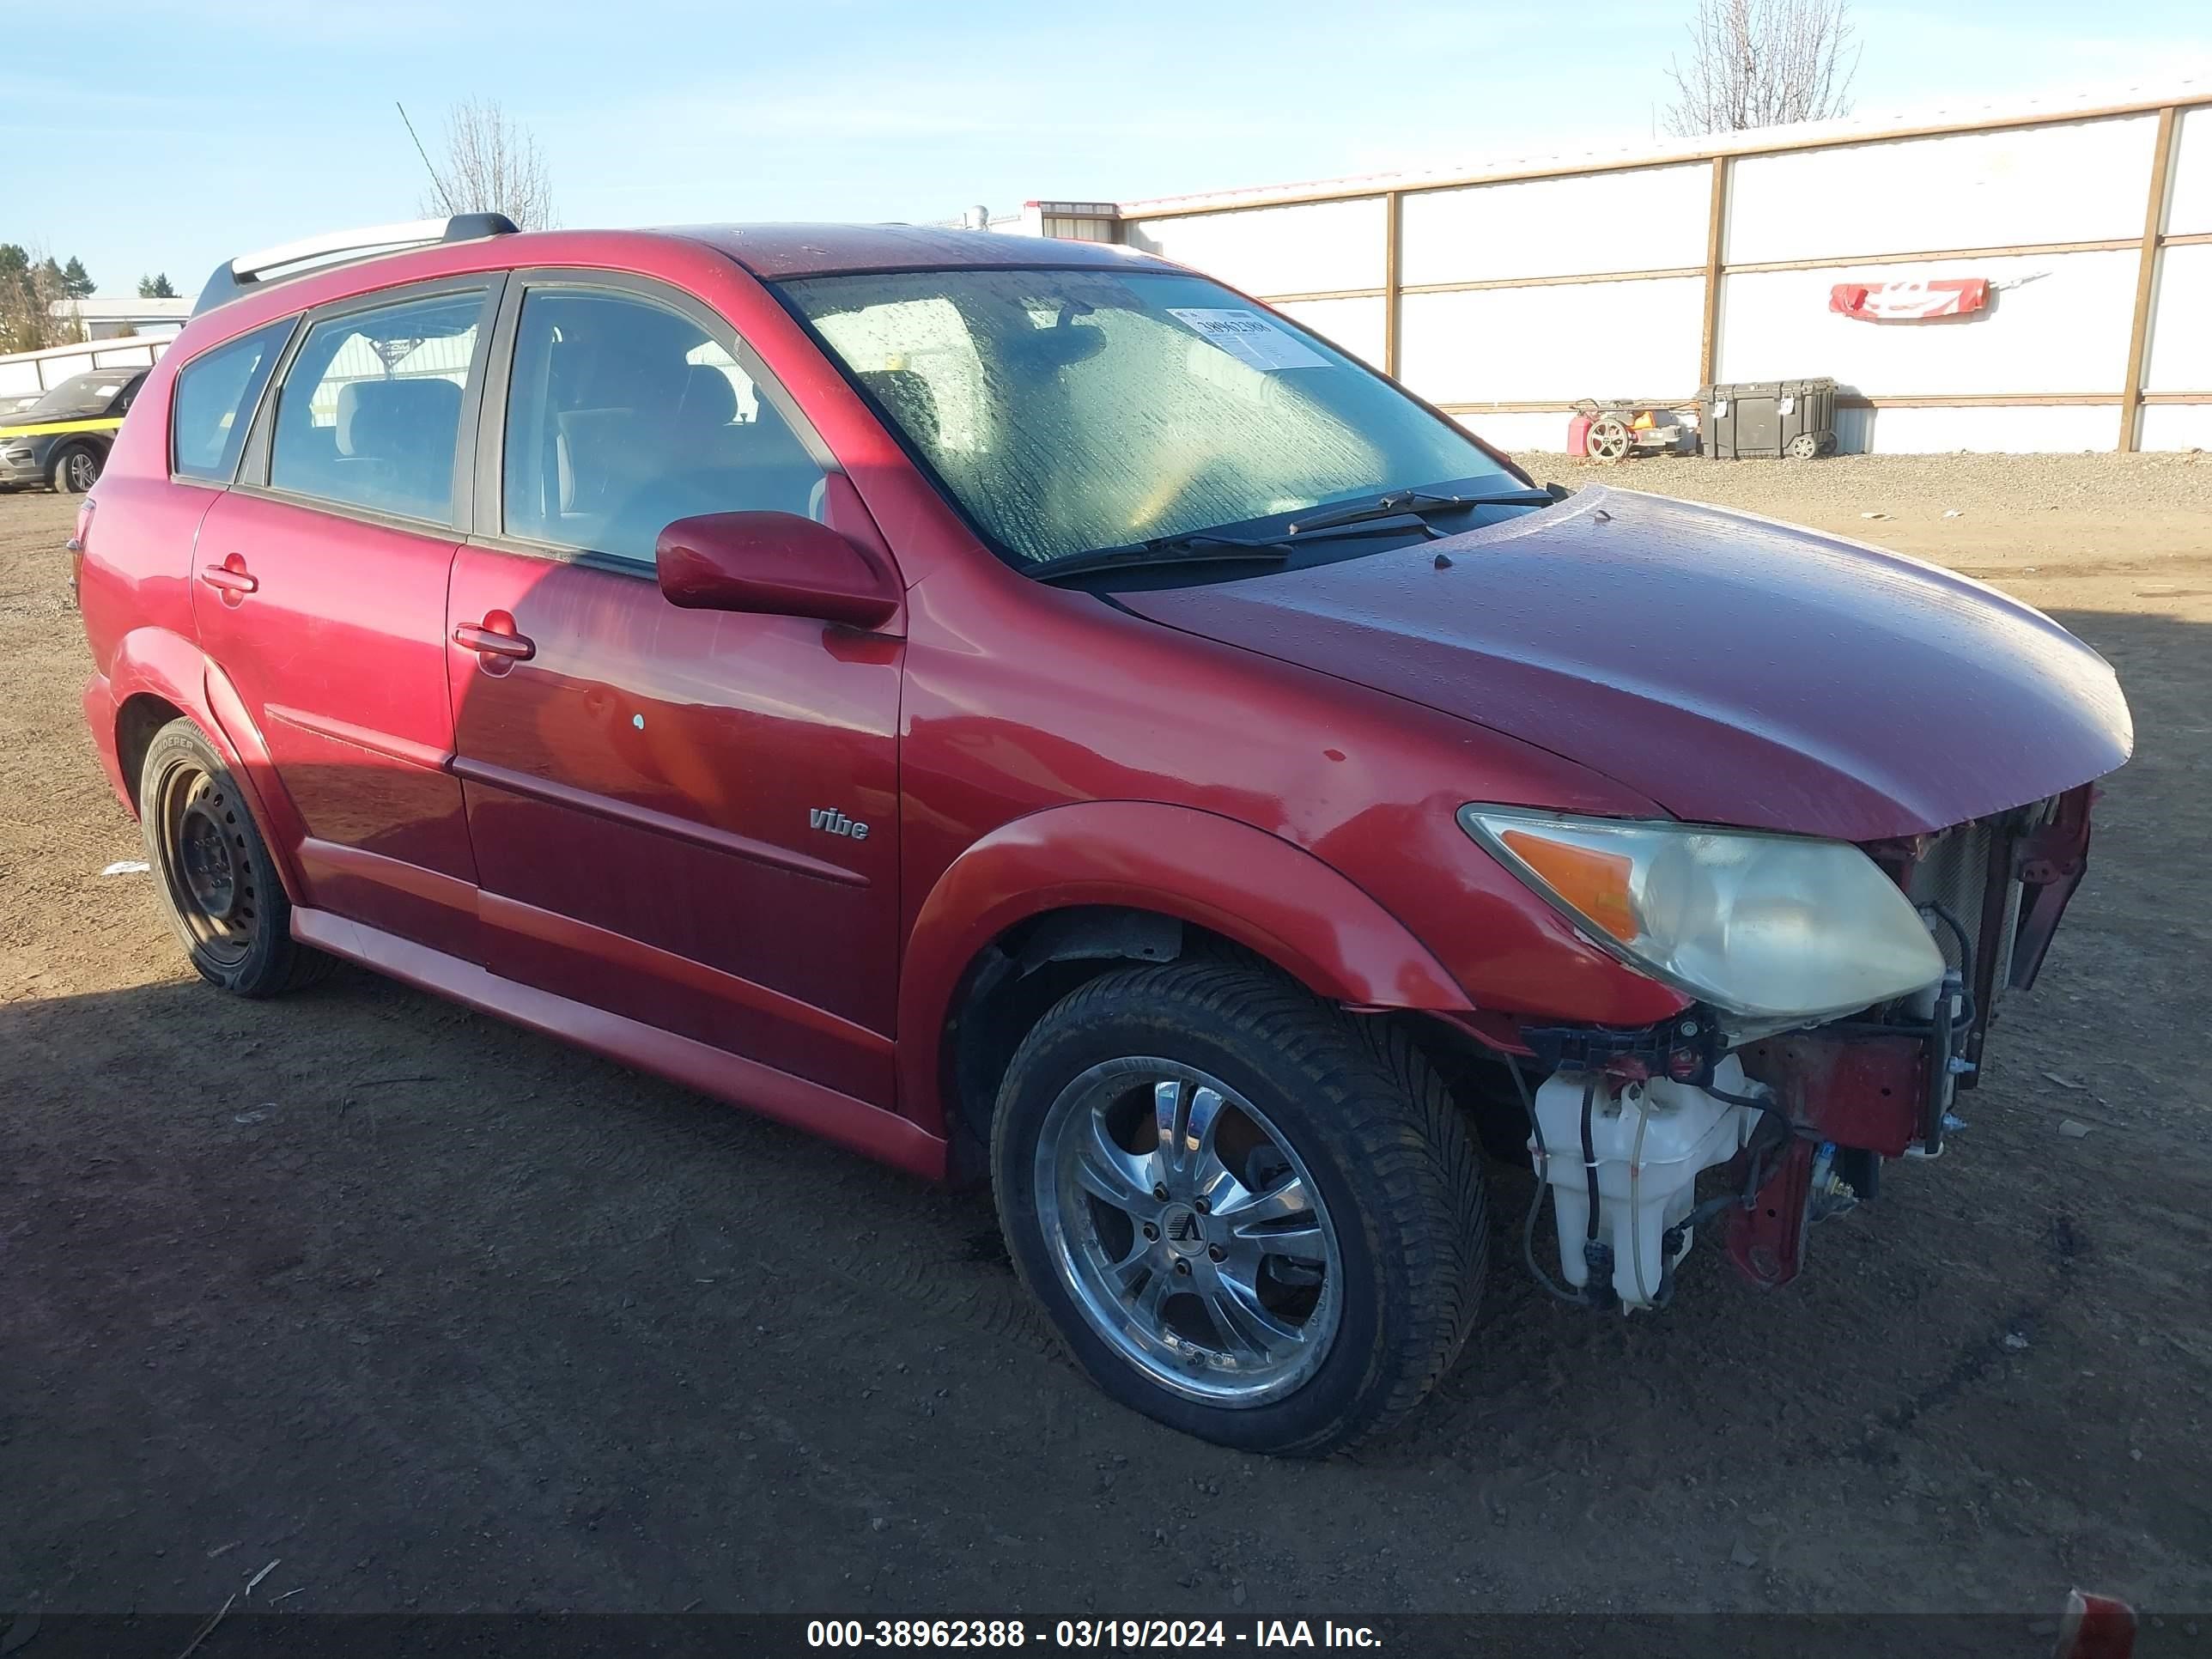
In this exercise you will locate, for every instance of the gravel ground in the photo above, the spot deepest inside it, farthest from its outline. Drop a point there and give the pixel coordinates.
(443, 1316)
(1990, 516)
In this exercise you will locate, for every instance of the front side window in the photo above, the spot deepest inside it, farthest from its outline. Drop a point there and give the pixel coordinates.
(370, 409)
(624, 415)
(1072, 410)
(213, 402)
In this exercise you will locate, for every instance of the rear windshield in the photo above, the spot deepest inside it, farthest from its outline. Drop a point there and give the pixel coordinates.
(1072, 410)
(80, 397)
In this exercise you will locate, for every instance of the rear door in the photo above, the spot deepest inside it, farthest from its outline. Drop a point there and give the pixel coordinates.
(689, 819)
(319, 590)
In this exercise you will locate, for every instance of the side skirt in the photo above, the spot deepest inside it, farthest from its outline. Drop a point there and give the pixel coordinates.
(711, 1070)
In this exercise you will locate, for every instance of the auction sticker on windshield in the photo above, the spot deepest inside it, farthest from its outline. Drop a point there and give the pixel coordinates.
(1248, 338)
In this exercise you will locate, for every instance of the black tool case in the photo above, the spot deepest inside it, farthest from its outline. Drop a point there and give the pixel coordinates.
(1753, 419)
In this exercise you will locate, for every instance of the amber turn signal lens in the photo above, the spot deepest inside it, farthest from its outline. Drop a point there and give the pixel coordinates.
(1597, 884)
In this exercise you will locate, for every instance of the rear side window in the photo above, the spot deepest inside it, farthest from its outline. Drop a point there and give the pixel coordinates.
(624, 417)
(370, 409)
(213, 402)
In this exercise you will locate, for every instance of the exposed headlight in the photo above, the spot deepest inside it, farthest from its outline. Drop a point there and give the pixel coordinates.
(1766, 927)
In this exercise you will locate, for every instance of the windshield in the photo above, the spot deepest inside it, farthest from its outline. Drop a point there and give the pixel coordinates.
(1068, 410)
(80, 397)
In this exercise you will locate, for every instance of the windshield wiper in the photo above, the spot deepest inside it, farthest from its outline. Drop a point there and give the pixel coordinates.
(1359, 519)
(1197, 548)
(1397, 503)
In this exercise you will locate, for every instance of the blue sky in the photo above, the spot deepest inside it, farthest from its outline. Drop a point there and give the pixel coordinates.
(189, 132)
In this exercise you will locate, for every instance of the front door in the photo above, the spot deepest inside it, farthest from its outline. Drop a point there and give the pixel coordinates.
(689, 819)
(319, 590)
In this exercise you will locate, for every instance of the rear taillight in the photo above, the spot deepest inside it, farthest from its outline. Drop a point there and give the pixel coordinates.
(77, 546)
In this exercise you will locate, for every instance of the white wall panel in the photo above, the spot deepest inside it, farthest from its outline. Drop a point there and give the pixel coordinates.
(2175, 426)
(1521, 434)
(1355, 325)
(2063, 328)
(1586, 340)
(2065, 428)
(1652, 219)
(1308, 249)
(52, 371)
(2181, 324)
(2084, 182)
(2189, 201)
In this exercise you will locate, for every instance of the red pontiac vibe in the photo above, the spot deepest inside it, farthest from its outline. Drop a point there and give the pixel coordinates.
(1020, 708)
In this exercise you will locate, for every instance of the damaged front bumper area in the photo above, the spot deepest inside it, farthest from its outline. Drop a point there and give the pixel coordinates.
(1795, 1124)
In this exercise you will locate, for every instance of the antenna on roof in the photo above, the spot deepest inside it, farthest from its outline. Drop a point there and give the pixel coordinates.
(444, 196)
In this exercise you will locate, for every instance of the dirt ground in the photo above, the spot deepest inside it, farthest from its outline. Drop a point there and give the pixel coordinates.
(439, 1314)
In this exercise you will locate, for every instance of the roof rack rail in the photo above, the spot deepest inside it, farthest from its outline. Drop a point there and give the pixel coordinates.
(234, 278)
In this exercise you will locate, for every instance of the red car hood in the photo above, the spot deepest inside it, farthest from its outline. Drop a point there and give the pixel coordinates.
(1734, 670)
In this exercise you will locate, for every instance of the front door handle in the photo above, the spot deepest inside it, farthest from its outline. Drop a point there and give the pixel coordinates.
(494, 637)
(230, 579)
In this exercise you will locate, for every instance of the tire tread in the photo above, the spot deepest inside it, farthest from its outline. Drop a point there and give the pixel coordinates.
(286, 965)
(1392, 1115)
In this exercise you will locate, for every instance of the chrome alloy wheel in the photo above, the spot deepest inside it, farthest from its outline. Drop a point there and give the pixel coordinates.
(1191, 1234)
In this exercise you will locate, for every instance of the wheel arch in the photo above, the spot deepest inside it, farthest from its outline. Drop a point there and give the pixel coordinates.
(138, 718)
(157, 676)
(1046, 901)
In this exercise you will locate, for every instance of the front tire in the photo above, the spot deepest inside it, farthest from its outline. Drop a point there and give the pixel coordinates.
(224, 899)
(76, 469)
(1252, 1216)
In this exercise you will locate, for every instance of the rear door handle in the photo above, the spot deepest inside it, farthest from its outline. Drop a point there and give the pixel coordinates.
(230, 579)
(496, 637)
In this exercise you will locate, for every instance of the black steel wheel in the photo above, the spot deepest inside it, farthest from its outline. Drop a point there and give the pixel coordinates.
(224, 899)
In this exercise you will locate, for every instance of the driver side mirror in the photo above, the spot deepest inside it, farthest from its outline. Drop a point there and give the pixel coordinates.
(776, 564)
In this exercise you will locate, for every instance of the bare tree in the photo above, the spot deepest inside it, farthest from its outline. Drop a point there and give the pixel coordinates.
(1761, 63)
(491, 165)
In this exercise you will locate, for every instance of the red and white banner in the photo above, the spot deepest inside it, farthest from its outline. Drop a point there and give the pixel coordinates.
(1891, 302)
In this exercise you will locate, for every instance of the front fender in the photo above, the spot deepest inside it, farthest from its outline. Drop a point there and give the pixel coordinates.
(1270, 897)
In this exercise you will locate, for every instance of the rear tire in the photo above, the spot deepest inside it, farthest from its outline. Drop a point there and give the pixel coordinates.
(1332, 1307)
(76, 469)
(224, 899)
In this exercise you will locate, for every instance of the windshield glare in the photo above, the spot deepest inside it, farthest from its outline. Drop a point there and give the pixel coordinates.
(1068, 410)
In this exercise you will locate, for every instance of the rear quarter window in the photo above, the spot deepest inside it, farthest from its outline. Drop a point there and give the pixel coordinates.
(213, 403)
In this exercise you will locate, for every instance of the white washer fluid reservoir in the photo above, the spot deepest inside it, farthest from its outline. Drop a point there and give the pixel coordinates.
(1650, 1139)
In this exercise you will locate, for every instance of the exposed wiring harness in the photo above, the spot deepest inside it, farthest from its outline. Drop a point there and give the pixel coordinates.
(1943, 915)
